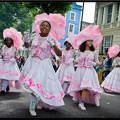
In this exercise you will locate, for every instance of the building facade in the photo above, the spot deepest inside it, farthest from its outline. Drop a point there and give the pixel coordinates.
(73, 21)
(107, 16)
(84, 24)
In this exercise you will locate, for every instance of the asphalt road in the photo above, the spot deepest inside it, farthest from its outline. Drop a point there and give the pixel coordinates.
(15, 104)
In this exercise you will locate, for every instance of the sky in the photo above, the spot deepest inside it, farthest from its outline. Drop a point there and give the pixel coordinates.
(89, 10)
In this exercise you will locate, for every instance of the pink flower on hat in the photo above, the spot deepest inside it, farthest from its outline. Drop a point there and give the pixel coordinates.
(57, 21)
(14, 35)
(113, 50)
(91, 32)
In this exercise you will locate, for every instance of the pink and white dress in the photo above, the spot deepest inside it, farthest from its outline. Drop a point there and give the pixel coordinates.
(112, 81)
(8, 67)
(85, 78)
(66, 70)
(38, 75)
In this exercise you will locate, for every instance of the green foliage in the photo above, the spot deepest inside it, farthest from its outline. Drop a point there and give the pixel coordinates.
(13, 14)
(48, 7)
(20, 15)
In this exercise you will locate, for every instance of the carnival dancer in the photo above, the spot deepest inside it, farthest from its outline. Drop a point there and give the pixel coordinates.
(9, 71)
(66, 70)
(112, 80)
(38, 75)
(85, 85)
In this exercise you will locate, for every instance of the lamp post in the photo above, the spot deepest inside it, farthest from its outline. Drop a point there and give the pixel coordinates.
(82, 16)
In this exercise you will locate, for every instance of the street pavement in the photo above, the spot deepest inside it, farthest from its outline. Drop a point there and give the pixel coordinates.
(15, 104)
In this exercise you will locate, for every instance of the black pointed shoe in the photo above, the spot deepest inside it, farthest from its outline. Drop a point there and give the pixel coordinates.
(7, 89)
(2, 93)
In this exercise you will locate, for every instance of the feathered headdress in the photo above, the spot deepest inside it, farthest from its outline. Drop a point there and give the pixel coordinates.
(71, 39)
(113, 50)
(14, 35)
(57, 21)
(91, 32)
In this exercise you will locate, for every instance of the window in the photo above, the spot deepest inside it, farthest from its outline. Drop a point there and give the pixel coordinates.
(109, 15)
(106, 43)
(71, 28)
(72, 16)
(117, 13)
(102, 15)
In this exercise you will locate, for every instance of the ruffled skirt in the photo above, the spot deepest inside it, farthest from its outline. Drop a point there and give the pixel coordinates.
(112, 81)
(85, 78)
(38, 76)
(10, 71)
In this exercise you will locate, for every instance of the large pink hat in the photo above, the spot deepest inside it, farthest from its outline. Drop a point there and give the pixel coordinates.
(57, 21)
(91, 32)
(14, 35)
(113, 50)
(71, 39)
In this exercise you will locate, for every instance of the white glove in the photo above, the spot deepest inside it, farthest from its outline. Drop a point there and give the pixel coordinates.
(92, 63)
(27, 38)
(12, 60)
(51, 41)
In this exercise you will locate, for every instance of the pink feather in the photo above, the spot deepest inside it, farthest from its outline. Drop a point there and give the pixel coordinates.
(14, 35)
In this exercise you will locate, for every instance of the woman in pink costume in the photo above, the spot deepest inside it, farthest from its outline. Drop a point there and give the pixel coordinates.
(38, 75)
(66, 70)
(85, 85)
(112, 81)
(9, 71)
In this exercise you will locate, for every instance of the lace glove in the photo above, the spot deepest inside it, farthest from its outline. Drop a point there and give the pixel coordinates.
(51, 41)
(27, 38)
(92, 63)
(12, 60)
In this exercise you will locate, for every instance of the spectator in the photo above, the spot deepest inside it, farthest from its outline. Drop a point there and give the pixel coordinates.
(107, 65)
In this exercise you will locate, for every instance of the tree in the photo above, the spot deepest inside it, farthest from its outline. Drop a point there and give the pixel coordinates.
(48, 7)
(13, 14)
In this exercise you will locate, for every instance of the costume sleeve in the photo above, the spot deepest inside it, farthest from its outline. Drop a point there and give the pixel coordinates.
(116, 61)
(96, 57)
(15, 50)
(2, 50)
(78, 59)
(67, 57)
